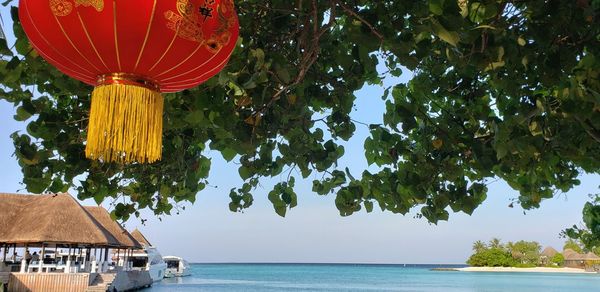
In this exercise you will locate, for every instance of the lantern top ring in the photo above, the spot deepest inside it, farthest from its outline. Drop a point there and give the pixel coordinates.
(127, 79)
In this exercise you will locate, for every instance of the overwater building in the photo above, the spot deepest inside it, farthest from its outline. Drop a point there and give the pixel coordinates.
(52, 243)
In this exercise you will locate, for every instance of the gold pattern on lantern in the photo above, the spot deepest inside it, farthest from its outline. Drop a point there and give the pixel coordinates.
(97, 4)
(222, 36)
(65, 7)
(61, 7)
(187, 22)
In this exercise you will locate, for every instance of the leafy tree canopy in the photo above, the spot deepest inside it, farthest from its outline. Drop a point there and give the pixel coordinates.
(558, 260)
(496, 243)
(479, 246)
(573, 245)
(492, 257)
(526, 252)
(501, 89)
(518, 254)
(588, 235)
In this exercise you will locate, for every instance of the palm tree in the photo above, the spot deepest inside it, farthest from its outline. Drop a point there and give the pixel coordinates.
(479, 246)
(496, 243)
(510, 246)
(574, 245)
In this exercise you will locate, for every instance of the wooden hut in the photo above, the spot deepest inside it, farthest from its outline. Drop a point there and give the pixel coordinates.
(123, 237)
(50, 221)
(547, 254)
(569, 253)
(580, 261)
(54, 221)
(37, 220)
(126, 241)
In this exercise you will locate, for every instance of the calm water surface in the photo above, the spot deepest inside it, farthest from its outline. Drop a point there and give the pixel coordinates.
(303, 277)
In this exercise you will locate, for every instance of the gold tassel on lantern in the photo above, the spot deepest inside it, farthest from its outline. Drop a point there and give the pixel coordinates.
(125, 120)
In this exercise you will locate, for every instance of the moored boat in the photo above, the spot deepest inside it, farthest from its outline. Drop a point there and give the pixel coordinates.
(176, 267)
(148, 259)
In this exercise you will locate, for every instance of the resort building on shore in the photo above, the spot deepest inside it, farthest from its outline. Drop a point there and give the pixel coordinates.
(547, 254)
(52, 243)
(573, 259)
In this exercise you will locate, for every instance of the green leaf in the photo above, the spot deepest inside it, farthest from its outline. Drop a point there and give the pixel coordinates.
(228, 154)
(436, 6)
(494, 66)
(501, 150)
(463, 5)
(283, 74)
(195, 117)
(245, 172)
(450, 37)
(368, 206)
(535, 128)
(22, 114)
(280, 210)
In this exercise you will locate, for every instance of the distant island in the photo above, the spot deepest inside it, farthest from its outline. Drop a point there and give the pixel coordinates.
(528, 256)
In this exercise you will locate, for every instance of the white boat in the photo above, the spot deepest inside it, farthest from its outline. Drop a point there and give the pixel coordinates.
(176, 267)
(148, 259)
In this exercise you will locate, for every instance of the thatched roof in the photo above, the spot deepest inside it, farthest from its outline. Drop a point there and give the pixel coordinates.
(50, 219)
(569, 253)
(549, 252)
(140, 237)
(123, 236)
(591, 256)
(574, 256)
(585, 257)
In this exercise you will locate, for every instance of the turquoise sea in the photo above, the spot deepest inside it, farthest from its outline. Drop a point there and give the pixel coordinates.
(326, 277)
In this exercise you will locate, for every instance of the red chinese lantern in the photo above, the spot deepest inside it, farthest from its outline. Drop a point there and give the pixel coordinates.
(131, 51)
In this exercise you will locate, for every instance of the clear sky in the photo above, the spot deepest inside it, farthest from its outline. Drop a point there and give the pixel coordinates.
(313, 231)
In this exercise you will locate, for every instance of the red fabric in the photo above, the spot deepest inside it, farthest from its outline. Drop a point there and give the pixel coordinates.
(176, 43)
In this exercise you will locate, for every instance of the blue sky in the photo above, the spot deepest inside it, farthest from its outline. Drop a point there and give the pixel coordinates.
(314, 231)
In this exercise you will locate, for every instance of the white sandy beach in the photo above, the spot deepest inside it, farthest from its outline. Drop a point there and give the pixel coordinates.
(524, 270)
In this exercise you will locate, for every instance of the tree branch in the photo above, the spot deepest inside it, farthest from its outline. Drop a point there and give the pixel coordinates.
(595, 134)
(359, 18)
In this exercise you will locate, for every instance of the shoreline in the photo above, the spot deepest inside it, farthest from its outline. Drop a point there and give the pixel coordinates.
(524, 270)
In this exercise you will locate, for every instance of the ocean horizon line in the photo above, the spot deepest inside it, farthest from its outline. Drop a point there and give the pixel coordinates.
(330, 263)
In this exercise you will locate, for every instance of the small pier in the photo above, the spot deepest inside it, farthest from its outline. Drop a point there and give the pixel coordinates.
(445, 269)
(80, 282)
